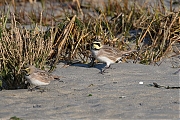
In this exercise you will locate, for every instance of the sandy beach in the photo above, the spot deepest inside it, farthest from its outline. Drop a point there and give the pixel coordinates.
(84, 93)
(126, 91)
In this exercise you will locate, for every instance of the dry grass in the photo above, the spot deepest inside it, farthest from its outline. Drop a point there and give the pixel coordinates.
(19, 47)
(71, 38)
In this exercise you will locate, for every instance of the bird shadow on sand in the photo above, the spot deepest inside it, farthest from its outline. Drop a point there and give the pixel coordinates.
(98, 66)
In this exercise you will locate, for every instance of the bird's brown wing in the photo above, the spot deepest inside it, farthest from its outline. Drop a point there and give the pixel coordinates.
(110, 51)
(43, 75)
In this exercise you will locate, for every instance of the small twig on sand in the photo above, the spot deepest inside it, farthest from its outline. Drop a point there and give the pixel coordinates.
(166, 87)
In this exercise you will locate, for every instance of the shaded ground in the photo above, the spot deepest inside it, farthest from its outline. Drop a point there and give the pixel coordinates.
(84, 93)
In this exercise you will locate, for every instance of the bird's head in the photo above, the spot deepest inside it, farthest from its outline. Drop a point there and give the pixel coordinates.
(29, 69)
(96, 45)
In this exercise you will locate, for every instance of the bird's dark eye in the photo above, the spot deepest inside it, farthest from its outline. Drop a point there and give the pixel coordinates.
(98, 44)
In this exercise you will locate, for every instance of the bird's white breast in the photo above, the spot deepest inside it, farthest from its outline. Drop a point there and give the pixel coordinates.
(95, 53)
(105, 59)
(35, 81)
(102, 58)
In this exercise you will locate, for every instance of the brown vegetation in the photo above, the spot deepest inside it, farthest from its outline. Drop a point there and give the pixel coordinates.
(71, 34)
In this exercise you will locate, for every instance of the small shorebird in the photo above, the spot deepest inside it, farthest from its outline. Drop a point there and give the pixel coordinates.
(37, 77)
(106, 54)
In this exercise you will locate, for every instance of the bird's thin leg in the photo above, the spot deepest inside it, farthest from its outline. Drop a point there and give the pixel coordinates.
(31, 89)
(106, 67)
(91, 64)
(43, 89)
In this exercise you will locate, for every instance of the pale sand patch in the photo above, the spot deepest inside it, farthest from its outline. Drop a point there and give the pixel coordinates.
(84, 93)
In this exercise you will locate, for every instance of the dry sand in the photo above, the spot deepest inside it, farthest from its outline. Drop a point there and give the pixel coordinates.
(86, 94)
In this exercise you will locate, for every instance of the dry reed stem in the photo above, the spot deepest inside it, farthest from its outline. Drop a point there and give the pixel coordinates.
(168, 33)
(79, 7)
(144, 34)
(63, 37)
(82, 36)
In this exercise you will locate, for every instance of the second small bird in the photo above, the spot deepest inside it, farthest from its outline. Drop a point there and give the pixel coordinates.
(37, 77)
